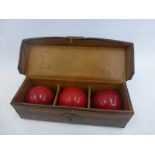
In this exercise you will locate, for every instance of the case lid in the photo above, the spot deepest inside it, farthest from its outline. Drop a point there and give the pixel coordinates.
(77, 58)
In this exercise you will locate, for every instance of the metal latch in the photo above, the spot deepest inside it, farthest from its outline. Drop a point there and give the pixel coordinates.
(71, 118)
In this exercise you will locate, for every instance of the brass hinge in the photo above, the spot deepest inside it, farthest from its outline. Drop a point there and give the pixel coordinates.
(71, 38)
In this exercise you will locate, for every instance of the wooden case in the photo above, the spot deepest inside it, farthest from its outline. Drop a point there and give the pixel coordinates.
(90, 63)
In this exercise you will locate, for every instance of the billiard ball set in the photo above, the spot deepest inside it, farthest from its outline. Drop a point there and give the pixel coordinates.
(75, 97)
(75, 80)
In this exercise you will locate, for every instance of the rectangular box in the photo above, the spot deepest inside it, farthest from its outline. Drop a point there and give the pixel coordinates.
(91, 64)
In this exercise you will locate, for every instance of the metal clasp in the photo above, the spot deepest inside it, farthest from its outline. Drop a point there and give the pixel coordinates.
(72, 118)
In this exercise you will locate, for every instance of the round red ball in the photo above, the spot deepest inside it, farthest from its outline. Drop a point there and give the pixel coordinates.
(40, 95)
(107, 99)
(73, 97)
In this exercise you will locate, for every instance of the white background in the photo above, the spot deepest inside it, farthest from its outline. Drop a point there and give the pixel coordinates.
(141, 87)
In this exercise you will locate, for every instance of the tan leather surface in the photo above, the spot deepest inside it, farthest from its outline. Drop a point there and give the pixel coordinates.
(93, 63)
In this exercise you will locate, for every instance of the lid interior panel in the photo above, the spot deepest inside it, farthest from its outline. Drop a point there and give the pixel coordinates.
(93, 63)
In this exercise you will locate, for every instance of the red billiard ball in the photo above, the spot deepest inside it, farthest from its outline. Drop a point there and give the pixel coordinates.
(107, 99)
(40, 95)
(73, 97)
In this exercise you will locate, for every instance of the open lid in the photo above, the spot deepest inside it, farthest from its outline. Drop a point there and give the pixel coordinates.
(77, 58)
